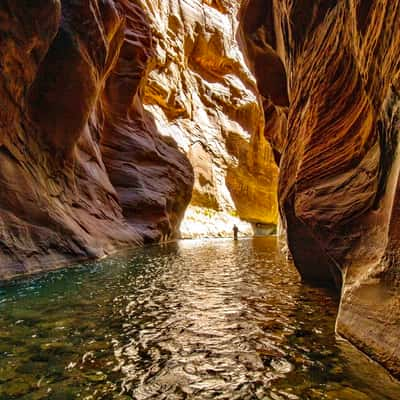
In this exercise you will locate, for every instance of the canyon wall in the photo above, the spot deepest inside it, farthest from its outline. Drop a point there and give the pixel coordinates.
(339, 159)
(83, 168)
(203, 94)
(114, 116)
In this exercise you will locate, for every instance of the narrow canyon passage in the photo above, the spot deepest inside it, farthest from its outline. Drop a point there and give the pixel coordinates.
(212, 319)
(132, 122)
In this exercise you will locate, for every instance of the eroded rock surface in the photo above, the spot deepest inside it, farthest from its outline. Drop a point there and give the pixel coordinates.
(111, 112)
(203, 94)
(82, 164)
(338, 151)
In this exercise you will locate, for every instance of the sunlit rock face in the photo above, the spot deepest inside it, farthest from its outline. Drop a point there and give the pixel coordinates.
(83, 168)
(153, 178)
(338, 151)
(116, 114)
(202, 93)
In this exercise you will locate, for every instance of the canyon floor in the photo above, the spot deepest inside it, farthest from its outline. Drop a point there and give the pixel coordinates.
(194, 319)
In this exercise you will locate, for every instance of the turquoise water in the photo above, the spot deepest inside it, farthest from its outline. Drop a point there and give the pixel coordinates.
(187, 320)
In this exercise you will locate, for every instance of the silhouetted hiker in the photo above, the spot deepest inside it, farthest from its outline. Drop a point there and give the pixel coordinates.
(235, 232)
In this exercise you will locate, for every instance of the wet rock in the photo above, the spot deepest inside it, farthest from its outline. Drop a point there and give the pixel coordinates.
(251, 361)
(337, 372)
(57, 347)
(7, 373)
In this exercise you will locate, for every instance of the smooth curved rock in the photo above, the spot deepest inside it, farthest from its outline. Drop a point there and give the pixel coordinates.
(152, 177)
(61, 198)
(338, 152)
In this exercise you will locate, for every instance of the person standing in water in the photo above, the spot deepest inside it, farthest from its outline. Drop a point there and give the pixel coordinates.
(235, 232)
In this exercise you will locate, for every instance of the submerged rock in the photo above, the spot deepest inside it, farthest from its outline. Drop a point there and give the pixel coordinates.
(282, 366)
(17, 387)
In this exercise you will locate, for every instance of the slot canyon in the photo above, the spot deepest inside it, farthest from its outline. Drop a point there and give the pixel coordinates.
(132, 122)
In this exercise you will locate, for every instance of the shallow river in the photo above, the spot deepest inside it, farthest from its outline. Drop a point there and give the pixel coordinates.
(189, 320)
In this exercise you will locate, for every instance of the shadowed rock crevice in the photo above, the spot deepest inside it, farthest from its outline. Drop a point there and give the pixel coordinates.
(264, 46)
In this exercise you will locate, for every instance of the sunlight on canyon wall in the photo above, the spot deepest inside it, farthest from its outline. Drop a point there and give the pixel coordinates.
(203, 94)
(115, 115)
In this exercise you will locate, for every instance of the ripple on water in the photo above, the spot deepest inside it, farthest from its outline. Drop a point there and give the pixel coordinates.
(194, 320)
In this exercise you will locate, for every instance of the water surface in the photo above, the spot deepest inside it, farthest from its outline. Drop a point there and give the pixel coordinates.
(189, 320)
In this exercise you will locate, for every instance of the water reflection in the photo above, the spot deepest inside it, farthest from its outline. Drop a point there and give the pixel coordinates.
(193, 320)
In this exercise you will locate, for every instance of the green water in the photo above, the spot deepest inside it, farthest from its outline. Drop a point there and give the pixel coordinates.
(190, 320)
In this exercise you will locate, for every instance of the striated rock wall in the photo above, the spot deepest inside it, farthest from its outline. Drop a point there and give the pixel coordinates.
(83, 169)
(338, 151)
(203, 94)
(116, 114)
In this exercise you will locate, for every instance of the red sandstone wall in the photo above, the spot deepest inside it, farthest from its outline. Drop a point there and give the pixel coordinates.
(338, 151)
(74, 139)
